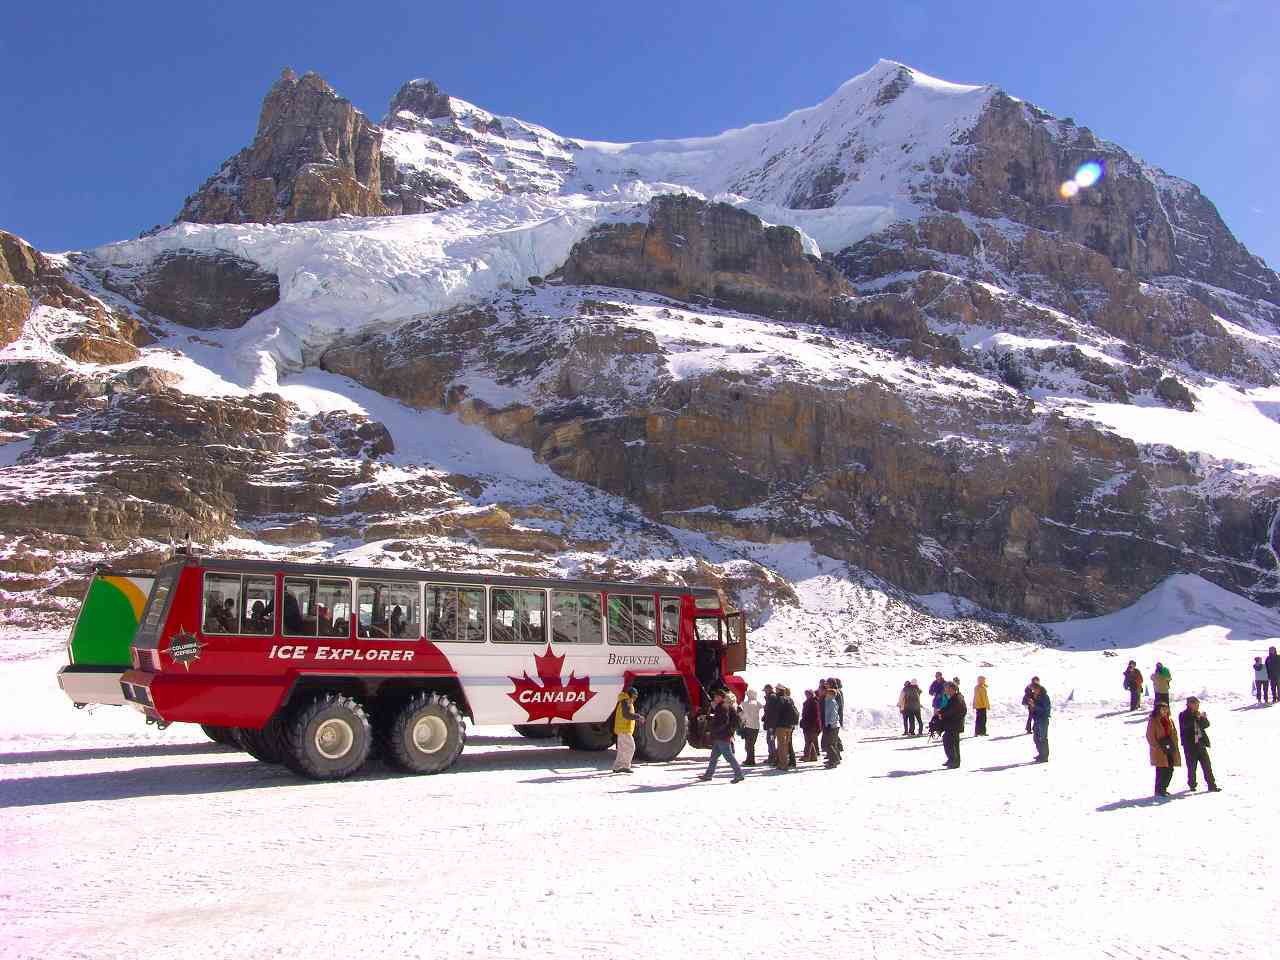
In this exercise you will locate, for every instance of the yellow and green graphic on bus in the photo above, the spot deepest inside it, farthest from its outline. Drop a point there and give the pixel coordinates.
(108, 620)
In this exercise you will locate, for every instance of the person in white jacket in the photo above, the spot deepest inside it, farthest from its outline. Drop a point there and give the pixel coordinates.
(1260, 689)
(751, 726)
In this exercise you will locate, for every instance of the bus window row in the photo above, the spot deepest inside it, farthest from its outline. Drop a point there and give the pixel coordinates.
(396, 610)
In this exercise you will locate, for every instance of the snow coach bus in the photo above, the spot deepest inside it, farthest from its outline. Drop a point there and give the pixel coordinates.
(101, 637)
(312, 665)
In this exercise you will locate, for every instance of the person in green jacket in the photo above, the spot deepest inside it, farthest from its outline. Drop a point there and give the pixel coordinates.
(624, 728)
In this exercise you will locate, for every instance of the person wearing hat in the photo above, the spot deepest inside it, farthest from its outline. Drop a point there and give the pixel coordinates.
(769, 720)
(624, 727)
(788, 718)
(1195, 744)
(1133, 683)
(1040, 710)
(1161, 679)
(981, 704)
(720, 726)
(953, 712)
(1163, 741)
(750, 727)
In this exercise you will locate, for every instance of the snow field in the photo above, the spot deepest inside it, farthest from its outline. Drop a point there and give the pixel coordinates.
(119, 838)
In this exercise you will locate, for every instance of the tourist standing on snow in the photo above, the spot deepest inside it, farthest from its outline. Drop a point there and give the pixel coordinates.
(810, 725)
(981, 704)
(1260, 688)
(1162, 738)
(902, 709)
(953, 713)
(831, 728)
(835, 684)
(915, 713)
(721, 727)
(1195, 743)
(769, 720)
(1133, 683)
(624, 727)
(1161, 678)
(1029, 699)
(1273, 673)
(1040, 710)
(788, 717)
(937, 690)
(750, 726)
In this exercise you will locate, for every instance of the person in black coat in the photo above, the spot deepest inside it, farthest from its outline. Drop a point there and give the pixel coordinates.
(1273, 673)
(1029, 701)
(1195, 744)
(769, 720)
(953, 714)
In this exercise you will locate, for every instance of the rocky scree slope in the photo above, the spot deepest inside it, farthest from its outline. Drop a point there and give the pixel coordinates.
(874, 326)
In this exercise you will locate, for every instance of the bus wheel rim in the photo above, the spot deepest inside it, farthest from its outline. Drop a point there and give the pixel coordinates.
(430, 734)
(334, 738)
(664, 726)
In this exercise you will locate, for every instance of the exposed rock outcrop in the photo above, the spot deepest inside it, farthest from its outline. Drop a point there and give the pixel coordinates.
(201, 290)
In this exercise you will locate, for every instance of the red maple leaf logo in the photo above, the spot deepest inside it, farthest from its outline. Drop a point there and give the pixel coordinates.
(552, 700)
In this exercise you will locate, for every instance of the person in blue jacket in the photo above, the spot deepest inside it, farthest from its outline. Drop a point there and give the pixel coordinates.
(1040, 710)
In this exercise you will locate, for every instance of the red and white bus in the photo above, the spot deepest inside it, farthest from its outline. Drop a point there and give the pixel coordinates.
(312, 664)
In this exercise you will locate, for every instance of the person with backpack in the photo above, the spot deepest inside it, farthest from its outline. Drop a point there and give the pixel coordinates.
(831, 728)
(1260, 688)
(1273, 673)
(1029, 699)
(769, 720)
(624, 727)
(788, 717)
(810, 726)
(721, 726)
(1133, 683)
(750, 727)
(1161, 679)
(902, 709)
(1040, 710)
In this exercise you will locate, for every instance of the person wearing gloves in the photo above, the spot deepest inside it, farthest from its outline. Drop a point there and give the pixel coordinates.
(1162, 738)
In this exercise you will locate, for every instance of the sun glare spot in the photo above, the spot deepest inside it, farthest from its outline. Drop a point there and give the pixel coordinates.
(1088, 174)
(1069, 189)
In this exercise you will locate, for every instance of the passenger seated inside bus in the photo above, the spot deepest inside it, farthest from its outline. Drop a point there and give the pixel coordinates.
(294, 622)
(213, 613)
(259, 618)
(397, 621)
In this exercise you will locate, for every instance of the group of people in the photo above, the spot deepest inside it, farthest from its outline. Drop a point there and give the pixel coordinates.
(820, 719)
(1163, 738)
(950, 710)
(1266, 677)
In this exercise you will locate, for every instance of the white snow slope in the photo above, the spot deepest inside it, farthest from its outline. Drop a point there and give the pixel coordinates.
(121, 840)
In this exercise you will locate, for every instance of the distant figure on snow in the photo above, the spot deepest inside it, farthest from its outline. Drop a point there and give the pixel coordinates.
(981, 704)
(1028, 698)
(938, 690)
(1195, 744)
(1161, 678)
(902, 709)
(788, 718)
(831, 729)
(1273, 673)
(750, 727)
(1260, 688)
(915, 713)
(952, 715)
(1040, 710)
(1133, 683)
(1162, 738)
(810, 725)
(769, 720)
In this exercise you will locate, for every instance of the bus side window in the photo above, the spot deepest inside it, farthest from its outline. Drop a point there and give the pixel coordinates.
(259, 606)
(221, 603)
(670, 620)
(471, 613)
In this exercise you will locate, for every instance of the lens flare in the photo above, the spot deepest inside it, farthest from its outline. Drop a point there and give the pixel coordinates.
(1088, 174)
(1068, 189)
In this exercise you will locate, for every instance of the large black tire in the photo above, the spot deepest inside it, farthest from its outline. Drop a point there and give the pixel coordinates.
(223, 735)
(538, 731)
(426, 735)
(588, 736)
(266, 745)
(329, 738)
(665, 730)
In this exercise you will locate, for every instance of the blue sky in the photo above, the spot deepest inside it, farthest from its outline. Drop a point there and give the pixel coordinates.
(110, 114)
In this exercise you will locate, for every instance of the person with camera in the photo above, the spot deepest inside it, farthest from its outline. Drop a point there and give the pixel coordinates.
(721, 726)
(1192, 723)
(1163, 741)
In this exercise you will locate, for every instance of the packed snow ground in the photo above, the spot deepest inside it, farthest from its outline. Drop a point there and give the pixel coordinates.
(120, 839)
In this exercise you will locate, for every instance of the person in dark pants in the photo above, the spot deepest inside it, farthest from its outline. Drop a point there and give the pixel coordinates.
(810, 726)
(915, 713)
(721, 726)
(981, 704)
(1028, 698)
(1195, 744)
(831, 728)
(1133, 683)
(902, 709)
(1162, 738)
(1161, 680)
(1273, 673)
(937, 690)
(750, 727)
(1261, 686)
(788, 718)
(953, 714)
(769, 720)
(1040, 710)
